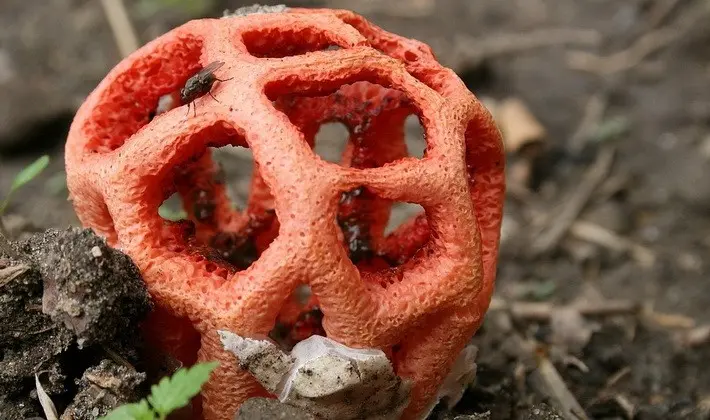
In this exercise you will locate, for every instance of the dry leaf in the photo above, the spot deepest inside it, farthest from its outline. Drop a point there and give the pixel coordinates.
(519, 126)
(547, 381)
(9, 274)
(50, 411)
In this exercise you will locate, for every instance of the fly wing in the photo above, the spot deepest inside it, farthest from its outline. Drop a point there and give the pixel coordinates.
(210, 68)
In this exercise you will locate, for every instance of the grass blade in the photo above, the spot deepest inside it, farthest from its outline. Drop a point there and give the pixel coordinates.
(29, 173)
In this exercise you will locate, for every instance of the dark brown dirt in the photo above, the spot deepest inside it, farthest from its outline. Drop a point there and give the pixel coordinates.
(267, 409)
(66, 308)
(626, 357)
(94, 290)
(657, 193)
(103, 388)
(28, 340)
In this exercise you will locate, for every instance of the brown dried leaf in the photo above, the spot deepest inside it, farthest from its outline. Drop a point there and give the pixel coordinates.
(50, 411)
(9, 274)
(519, 126)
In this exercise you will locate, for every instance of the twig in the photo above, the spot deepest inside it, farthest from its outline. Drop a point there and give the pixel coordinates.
(123, 31)
(644, 46)
(660, 11)
(542, 311)
(570, 360)
(611, 186)
(118, 358)
(42, 331)
(601, 236)
(476, 50)
(615, 378)
(12, 272)
(671, 321)
(625, 59)
(547, 381)
(558, 225)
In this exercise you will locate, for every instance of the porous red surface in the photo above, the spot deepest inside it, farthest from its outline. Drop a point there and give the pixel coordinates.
(419, 293)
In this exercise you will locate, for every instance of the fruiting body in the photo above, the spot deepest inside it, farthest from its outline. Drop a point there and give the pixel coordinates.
(418, 294)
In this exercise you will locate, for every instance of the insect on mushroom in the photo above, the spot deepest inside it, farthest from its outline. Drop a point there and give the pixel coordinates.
(201, 83)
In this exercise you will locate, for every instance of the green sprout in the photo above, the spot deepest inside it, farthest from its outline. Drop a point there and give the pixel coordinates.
(167, 396)
(26, 175)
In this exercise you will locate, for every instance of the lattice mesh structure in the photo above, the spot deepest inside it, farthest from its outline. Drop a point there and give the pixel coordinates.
(419, 293)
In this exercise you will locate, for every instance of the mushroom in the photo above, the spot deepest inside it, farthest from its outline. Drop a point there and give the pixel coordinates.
(417, 294)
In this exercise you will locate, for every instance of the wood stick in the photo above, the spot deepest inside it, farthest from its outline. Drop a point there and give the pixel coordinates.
(660, 11)
(542, 311)
(475, 49)
(645, 45)
(546, 380)
(121, 26)
(601, 236)
(558, 225)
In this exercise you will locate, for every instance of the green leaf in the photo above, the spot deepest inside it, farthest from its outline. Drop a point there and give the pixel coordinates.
(137, 411)
(26, 175)
(29, 172)
(176, 392)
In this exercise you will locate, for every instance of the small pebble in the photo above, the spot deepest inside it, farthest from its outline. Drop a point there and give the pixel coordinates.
(96, 251)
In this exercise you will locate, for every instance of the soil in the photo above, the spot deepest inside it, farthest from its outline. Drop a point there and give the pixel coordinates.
(70, 304)
(642, 364)
(268, 408)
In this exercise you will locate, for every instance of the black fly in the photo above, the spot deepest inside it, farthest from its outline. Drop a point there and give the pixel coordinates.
(200, 84)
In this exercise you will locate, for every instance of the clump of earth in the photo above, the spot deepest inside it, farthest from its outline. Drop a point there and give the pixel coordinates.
(70, 305)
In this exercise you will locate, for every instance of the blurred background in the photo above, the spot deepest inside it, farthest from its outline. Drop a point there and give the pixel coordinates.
(604, 105)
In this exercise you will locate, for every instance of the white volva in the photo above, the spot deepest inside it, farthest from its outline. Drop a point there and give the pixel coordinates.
(334, 381)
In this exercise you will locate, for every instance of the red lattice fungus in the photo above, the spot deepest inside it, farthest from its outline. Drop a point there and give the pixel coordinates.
(418, 293)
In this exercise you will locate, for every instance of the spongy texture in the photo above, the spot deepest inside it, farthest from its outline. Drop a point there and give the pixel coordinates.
(418, 294)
